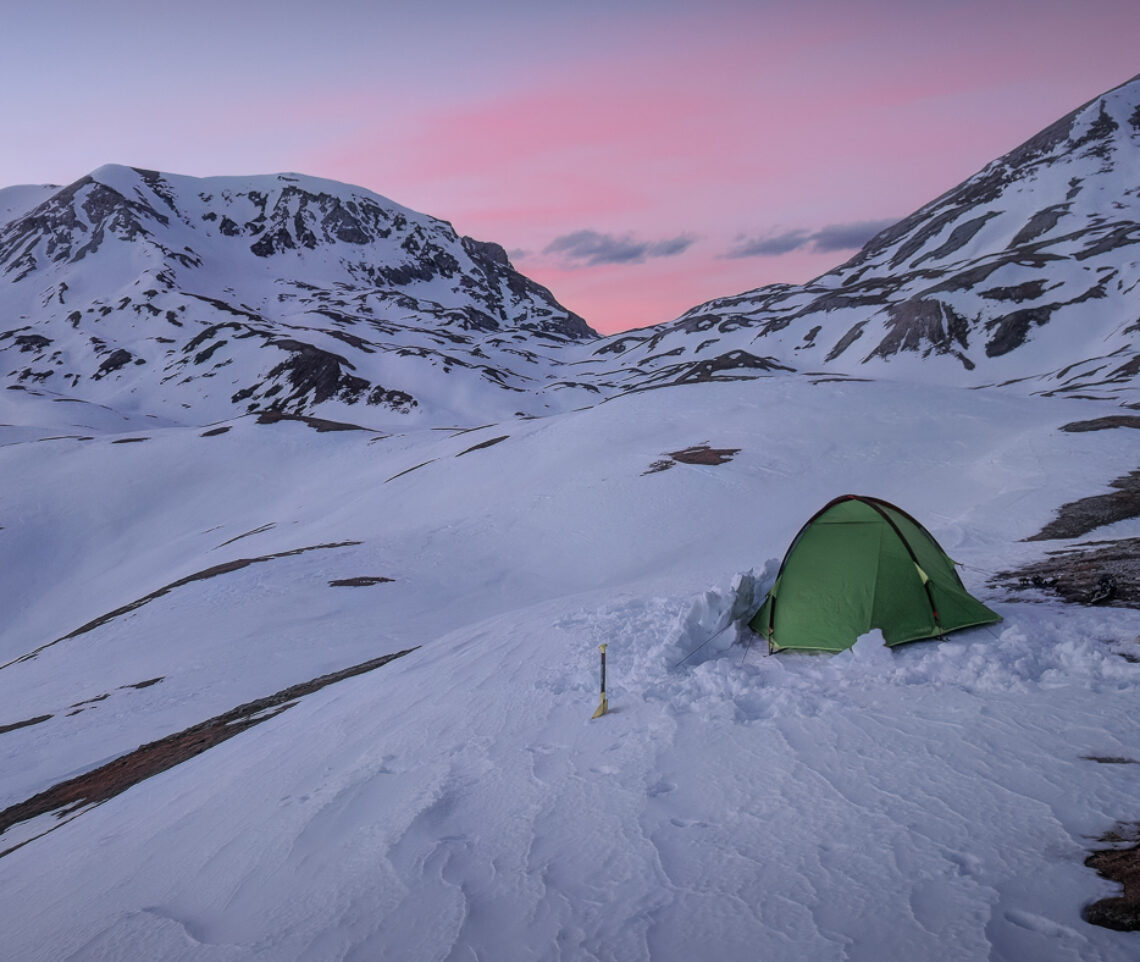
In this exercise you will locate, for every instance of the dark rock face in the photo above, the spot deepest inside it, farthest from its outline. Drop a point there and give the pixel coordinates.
(309, 376)
(502, 284)
(32, 342)
(1040, 223)
(1018, 293)
(1010, 330)
(728, 366)
(114, 361)
(919, 324)
(852, 335)
(314, 371)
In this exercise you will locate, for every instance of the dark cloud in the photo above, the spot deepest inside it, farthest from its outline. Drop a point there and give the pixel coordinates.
(843, 237)
(589, 247)
(834, 237)
(771, 246)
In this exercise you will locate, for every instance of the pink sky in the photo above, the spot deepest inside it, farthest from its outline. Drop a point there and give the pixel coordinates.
(621, 151)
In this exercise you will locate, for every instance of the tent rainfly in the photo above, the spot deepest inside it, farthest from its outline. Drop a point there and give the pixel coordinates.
(858, 564)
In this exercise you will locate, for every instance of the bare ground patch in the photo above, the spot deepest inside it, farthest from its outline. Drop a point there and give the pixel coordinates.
(70, 798)
(1102, 424)
(247, 534)
(1080, 517)
(414, 467)
(24, 724)
(1092, 573)
(697, 454)
(363, 581)
(145, 684)
(483, 444)
(317, 424)
(1121, 913)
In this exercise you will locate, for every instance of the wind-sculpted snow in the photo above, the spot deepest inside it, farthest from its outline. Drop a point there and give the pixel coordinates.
(936, 800)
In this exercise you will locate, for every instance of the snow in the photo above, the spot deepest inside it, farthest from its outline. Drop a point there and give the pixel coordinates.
(17, 201)
(166, 560)
(930, 801)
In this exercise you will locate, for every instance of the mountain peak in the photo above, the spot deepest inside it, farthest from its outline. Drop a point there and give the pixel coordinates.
(141, 278)
(1024, 273)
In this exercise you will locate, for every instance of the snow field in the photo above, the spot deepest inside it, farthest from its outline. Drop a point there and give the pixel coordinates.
(930, 801)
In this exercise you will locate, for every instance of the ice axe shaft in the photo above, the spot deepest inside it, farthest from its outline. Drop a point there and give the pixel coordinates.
(604, 704)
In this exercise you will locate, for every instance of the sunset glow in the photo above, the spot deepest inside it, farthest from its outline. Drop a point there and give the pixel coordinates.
(637, 158)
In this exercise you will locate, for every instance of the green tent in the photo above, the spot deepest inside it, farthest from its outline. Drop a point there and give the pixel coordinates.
(859, 564)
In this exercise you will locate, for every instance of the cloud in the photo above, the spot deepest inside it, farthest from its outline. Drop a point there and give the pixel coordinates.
(588, 248)
(842, 237)
(834, 237)
(771, 246)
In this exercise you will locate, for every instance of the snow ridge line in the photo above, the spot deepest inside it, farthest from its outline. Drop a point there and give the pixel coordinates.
(220, 569)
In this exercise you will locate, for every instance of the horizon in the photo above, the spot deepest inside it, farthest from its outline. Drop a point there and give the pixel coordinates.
(678, 155)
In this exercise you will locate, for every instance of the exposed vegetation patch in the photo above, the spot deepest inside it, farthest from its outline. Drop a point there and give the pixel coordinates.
(91, 701)
(721, 368)
(1101, 424)
(247, 534)
(24, 724)
(1122, 865)
(317, 424)
(71, 798)
(483, 444)
(360, 582)
(414, 467)
(225, 568)
(1080, 517)
(214, 432)
(698, 454)
(145, 684)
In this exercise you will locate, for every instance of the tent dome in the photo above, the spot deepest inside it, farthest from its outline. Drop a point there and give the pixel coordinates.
(858, 564)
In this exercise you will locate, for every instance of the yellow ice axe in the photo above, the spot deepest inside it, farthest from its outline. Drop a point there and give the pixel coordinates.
(604, 704)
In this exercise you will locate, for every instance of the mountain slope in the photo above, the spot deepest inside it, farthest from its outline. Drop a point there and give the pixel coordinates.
(166, 294)
(1029, 270)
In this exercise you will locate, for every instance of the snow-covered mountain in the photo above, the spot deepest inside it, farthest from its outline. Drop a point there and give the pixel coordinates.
(164, 294)
(199, 299)
(1028, 271)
